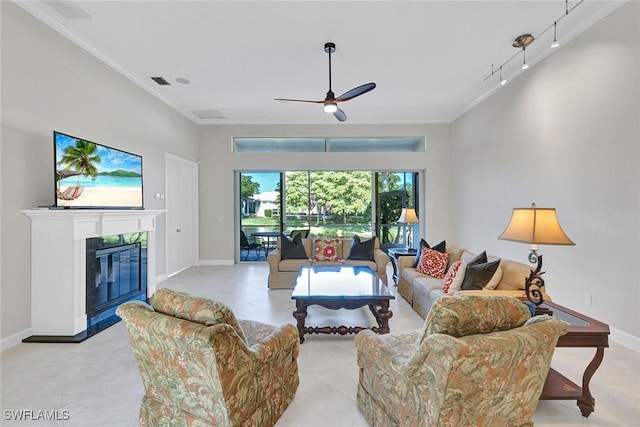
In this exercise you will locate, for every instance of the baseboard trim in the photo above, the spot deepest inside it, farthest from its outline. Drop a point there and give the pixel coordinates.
(15, 339)
(625, 339)
(216, 262)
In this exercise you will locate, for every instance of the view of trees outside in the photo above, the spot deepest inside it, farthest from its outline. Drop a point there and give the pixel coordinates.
(334, 203)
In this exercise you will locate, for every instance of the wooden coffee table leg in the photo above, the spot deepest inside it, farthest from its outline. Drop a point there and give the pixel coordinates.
(300, 314)
(587, 403)
(382, 317)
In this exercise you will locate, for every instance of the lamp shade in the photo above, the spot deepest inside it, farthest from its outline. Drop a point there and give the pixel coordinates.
(538, 226)
(408, 216)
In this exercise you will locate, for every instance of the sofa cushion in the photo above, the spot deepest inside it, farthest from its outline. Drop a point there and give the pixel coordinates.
(292, 249)
(478, 275)
(428, 283)
(440, 247)
(410, 274)
(292, 264)
(455, 252)
(491, 285)
(433, 263)
(362, 250)
(467, 256)
(453, 278)
(326, 249)
(514, 274)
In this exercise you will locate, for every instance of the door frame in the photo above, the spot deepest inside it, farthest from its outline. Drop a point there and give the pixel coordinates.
(194, 214)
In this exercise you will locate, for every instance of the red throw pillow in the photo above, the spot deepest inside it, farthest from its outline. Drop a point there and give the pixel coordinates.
(433, 263)
(326, 249)
(452, 274)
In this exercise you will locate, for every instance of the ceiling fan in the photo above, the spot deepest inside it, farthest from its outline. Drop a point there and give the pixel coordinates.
(331, 102)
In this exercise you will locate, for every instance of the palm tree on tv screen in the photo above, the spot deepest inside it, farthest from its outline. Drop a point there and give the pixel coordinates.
(81, 158)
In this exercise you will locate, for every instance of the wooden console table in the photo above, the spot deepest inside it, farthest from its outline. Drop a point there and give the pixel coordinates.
(583, 332)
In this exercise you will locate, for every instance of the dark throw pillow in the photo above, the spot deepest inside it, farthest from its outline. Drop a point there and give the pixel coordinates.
(481, 258)
(479, 274)
(440, 247)
(362, 251)
(292, 249)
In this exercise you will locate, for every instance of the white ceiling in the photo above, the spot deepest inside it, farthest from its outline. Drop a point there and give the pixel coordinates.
(429, 59)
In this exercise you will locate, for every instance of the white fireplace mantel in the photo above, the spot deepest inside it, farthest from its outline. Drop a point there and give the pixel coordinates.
(58, 262)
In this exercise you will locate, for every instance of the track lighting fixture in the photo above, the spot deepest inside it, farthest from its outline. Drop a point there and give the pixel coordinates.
(524, 59)
(555, 43)
(502, 81)
(521, 42)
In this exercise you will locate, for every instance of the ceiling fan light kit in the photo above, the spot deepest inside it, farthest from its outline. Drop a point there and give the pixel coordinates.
(331, 102)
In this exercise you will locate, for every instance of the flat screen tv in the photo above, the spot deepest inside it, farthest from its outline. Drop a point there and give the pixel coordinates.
(93, 176)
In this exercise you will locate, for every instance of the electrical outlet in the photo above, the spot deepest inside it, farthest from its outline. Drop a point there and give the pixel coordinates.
(588, 299)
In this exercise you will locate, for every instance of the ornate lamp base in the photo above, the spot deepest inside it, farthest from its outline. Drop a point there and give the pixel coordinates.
(533, 285)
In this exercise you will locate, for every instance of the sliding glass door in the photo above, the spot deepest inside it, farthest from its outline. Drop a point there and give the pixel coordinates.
(394, 191)
(323, 204)
(260, 214)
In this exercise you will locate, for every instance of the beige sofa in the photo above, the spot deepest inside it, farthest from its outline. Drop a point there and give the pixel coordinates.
(283, 272)
(422, 290)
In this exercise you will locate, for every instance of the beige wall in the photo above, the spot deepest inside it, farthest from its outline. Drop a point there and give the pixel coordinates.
(219, 163)
(565, 135)
(49, 83)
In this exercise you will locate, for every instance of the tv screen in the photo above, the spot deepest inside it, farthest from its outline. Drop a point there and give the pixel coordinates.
(91, 175)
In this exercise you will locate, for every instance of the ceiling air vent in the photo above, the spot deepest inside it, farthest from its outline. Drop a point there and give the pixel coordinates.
(160, 80)
(208, 114)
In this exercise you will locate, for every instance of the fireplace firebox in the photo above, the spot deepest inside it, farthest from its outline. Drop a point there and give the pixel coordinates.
(116, 272)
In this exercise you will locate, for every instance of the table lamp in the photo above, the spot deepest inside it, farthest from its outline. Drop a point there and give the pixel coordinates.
(408, 216)
(536, 226)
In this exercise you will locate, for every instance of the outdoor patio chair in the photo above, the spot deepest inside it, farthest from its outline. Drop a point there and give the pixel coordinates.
(248, 246)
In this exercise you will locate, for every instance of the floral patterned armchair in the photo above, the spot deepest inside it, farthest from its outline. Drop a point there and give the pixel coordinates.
(478, 361)
(202, 367)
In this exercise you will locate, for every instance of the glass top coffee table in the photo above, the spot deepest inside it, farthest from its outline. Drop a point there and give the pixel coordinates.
(336, 287)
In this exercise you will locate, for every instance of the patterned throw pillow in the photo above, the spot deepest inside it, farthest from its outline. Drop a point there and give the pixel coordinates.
(326, 249)
(440, 247)
(433, 263)
(453, 279)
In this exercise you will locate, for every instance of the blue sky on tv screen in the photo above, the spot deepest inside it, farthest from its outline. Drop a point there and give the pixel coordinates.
(110, 159)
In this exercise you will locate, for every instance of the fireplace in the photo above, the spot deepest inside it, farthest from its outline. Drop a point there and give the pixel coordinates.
(116, 272)
(60, 241)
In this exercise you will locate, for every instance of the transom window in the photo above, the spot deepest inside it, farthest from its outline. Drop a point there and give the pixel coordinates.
(321, 145)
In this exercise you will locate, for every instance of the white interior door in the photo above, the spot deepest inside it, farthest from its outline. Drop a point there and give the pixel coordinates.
(182, 213)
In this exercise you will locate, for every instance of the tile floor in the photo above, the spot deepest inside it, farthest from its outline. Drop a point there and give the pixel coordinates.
(97, 381)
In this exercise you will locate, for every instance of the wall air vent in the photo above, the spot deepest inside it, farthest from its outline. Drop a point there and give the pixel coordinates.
(160, 80)
(208, 114)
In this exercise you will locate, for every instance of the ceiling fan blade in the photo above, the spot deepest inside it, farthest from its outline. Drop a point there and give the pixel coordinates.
(340, 115)
(297, 100)
(357, 91)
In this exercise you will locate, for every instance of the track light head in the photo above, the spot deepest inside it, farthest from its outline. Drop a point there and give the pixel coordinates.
(555, 43)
